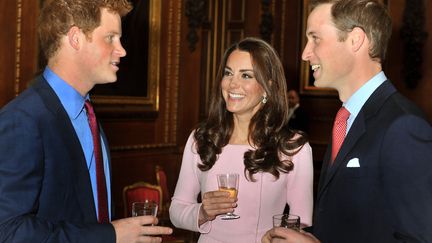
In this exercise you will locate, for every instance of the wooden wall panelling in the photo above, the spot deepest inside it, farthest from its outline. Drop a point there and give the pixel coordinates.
(171, 74)
(8, 20)
(190, 82)
(279, 11)
(206, 72)
(394, 64)
(228, 21)
(287, 36)
(19, 47)
(29, 49)
(234, 22)
(137, 145)
(208, 53)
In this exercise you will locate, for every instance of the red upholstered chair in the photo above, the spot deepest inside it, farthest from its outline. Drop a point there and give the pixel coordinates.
(161, 179)
(139, 192)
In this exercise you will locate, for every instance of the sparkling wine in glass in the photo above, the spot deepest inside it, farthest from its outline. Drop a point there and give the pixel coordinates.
(229, 183)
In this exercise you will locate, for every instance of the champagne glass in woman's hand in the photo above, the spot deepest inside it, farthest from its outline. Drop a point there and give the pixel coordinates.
(229, 183)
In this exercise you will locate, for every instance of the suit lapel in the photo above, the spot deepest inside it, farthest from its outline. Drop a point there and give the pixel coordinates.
(357, 130)
(72, 144)
(324, 168)
(354, 134)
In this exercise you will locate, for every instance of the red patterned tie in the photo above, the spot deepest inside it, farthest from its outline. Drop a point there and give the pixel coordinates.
(100, 175)
(339, 131)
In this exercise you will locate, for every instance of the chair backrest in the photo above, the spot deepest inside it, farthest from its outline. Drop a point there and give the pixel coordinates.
(161, 179)
(139, 192)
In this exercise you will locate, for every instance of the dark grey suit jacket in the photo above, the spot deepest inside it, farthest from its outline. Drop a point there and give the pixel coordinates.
(45, 189)
(389, 197)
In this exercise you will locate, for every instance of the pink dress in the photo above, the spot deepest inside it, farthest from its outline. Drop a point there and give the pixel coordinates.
(257, 201)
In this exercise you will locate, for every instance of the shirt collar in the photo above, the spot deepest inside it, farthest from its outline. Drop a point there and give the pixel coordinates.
(359, 98)
(71, 99)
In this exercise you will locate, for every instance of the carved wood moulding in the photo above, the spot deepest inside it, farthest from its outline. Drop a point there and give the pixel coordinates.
(18, 48)
(195, 13)
(266, 25)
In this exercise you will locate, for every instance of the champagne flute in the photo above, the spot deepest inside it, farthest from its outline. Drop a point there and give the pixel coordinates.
(229, 183)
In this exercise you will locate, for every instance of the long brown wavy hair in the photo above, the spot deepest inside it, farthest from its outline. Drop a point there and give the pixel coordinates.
(268, 130)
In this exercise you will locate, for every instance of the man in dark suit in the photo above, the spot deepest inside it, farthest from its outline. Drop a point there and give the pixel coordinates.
(298, 117)
(52, 173)
(378, 186)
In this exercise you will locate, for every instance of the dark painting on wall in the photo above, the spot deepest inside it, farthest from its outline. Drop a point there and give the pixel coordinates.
(133, 74)
(137, 88)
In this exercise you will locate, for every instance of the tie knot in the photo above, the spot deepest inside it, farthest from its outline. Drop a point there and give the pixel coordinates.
(342, 115)
(88, 105)
(89, 108)
(90, 115)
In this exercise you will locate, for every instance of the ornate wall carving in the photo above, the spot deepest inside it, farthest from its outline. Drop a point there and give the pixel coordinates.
(195, 12)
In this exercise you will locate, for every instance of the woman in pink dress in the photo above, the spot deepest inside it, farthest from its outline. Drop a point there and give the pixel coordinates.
(245, 133)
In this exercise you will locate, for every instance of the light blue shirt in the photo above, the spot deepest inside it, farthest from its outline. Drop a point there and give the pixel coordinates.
(73, 103)
(359, 98)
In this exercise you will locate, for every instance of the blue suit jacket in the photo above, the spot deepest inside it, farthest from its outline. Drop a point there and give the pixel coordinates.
(389, 197)
(45, 189)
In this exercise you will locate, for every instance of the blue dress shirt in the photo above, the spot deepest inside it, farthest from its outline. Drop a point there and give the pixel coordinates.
(73, 103)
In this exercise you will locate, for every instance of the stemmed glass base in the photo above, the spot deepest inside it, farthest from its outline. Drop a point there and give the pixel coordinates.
(229, 216)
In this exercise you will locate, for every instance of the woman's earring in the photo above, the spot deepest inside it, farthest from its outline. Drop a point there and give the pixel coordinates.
(264, 99)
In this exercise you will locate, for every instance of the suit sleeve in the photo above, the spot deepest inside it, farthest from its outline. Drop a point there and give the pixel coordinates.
(407, 178)
(21, 182)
